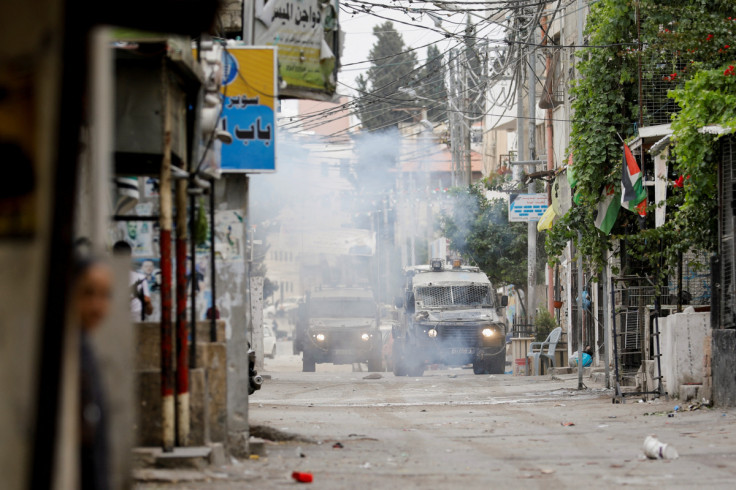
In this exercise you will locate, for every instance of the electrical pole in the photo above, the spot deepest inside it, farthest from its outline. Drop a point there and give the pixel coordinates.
(532, 225)
(467, 125)
(581, 386)
(580, 238)
(454, 139)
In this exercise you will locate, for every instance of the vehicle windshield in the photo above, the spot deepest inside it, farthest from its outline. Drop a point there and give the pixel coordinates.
(444, 296)
(342, 308)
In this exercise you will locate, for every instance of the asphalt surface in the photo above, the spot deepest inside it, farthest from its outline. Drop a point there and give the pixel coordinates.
(453, 429)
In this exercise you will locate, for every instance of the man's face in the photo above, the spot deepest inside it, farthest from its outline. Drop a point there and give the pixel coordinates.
(92, 296)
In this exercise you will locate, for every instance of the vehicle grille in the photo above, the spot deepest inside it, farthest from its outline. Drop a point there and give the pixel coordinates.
(343, 339)
(431, 296)
(459, 335)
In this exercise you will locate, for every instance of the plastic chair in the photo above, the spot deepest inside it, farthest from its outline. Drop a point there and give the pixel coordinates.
(551, 345)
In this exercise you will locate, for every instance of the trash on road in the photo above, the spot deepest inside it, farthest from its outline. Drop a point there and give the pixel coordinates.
(302, 477)
(373, 376)
(567, 424)
(655, 449)
(337, 445)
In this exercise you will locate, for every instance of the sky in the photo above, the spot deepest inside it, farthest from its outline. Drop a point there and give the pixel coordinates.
(359, 37)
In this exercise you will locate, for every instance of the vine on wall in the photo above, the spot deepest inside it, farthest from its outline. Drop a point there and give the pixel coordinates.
(691, 41)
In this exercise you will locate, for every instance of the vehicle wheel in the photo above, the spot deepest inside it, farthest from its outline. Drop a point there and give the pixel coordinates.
(308, 364)
(497, 363)
(415, 363)
(480, 366)
(296, 347)
(399, 363)
(374, 363)
(417, 370)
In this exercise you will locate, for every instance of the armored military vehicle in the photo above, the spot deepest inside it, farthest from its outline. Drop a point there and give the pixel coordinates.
(339, 326)
(451, 315)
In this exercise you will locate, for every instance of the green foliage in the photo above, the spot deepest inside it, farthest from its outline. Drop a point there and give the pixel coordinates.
(544, 323)
(602, 92)
(391, 68)
(682, 40)
(478, 228)
(432, 85)
(708, 98)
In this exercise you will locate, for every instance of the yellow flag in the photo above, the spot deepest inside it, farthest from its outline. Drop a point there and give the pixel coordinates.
(545, 222)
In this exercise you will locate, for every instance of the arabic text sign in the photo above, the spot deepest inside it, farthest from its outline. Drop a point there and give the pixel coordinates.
(249, 112)
(298, 27)
(527, 207)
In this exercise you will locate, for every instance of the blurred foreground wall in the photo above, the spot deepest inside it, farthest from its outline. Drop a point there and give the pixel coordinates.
(29, 77)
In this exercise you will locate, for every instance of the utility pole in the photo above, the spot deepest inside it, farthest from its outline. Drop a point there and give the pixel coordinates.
(454, 117)
(468, 174)
(467, 126)
(580, 238)
(520, 156)
(532, 225)
(581, 386)
(168, 416)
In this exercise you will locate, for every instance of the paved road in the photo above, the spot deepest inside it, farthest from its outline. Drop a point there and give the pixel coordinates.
(453, 429)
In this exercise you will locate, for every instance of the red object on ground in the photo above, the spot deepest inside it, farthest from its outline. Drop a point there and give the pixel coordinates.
(302, 477)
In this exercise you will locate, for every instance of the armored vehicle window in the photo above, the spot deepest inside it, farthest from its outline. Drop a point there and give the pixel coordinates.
(342, 308)
(433, 296)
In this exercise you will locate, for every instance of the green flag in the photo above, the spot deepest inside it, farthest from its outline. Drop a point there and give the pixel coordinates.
(608, 208)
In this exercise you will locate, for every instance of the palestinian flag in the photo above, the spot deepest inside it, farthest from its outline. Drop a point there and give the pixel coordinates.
(608, 208)
(633, 194)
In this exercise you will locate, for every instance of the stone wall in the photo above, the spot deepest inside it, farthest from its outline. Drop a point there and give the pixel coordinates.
(207, 386)
(683, 354)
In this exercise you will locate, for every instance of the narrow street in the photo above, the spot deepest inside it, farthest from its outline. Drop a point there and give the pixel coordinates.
(453, 429)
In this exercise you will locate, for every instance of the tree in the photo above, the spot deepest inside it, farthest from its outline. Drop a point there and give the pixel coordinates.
(685, 44)
(432, 85)
(479, 229)
(392, 66)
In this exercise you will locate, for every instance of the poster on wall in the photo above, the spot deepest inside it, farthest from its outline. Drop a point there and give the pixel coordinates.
(307, 35)
(142, 236)
(229, 235)
(249, 87)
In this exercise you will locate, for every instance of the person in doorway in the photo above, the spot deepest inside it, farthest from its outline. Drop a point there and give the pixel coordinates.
(140, 296)
(91, 302)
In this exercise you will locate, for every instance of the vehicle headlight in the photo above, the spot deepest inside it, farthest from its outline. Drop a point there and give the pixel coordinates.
(432, 333)
(487, 332)
(365, 337)
(320, 337)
